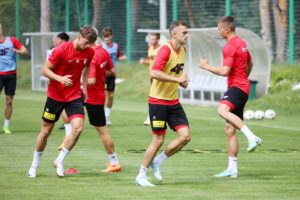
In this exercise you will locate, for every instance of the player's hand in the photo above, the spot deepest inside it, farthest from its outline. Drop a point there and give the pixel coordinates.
(123, 58)
(66, 81)
(203, 63)
(183, 78)
(184, 85)
(142, 61)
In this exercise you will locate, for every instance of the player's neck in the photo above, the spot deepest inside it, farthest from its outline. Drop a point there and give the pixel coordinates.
(176, 45)
(76, 46)
(231, 35)
(155, 46)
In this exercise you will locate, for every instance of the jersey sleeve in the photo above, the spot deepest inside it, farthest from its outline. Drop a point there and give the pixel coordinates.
(17, 44)
(228, 55)
(93, 70)
(162, 58)
(56, 56)
(110, 65)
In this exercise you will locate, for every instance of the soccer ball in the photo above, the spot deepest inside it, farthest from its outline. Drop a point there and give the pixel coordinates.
(270, 114)
(249, 114)
(259, 115)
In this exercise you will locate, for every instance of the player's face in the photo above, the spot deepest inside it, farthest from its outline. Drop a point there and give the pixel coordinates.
(181, 34)
(223, 31)
(83, 43)
(107, 39)
(153, 40)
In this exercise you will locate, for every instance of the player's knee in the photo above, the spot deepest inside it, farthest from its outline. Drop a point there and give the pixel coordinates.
(77, 130)
(185, 139)
(9, 102)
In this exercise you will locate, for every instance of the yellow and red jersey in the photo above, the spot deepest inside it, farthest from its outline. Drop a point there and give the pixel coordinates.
(170, 62)
(152, 53)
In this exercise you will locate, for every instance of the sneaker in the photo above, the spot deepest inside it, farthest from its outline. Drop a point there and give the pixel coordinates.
(62, 127)
(6, 131)
(62, 144)
(227, 173)
(252, 144)
(108, 122)
(143, 181)
(32, 172)
(112, 168)
(60, 172)
(156, 169)
(147, 122)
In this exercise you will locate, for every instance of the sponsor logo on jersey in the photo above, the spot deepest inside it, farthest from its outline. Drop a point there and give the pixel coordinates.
(158, 124)
(103, 64)
(69, 61)
(244, 49)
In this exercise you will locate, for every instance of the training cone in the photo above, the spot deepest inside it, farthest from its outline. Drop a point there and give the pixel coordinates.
(71, 171)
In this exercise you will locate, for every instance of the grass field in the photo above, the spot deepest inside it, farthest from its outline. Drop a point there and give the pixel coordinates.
(272, 172)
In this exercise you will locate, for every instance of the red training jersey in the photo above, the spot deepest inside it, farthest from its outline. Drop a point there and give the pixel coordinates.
(100, 63)
(67, 61)
(236, 56)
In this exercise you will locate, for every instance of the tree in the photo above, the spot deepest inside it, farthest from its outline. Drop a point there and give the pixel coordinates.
(45, 24)
(280, 11)
(191, 17)
(97, 13)
(266, 25)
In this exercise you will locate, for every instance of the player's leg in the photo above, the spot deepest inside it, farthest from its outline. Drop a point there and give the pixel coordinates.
(97, 119)
(233, 148)
(10, 88)
(157, 142)
(110, 90)
(67, 126)
(158, 117)
(231, 109)
(52, 111)
(75, 112)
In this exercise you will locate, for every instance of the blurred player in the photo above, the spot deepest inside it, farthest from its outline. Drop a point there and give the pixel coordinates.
(164, 106)
(64, 68)
(237, 65)
(9, 47)
(152, 52)
(115, 54)
(101, 66)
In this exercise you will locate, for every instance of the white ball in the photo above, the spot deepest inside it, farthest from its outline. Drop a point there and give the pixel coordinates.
(270, 114)
(249, 114)
(259, 115)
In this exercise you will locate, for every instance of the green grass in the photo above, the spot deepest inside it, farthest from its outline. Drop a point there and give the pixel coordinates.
(273, 172)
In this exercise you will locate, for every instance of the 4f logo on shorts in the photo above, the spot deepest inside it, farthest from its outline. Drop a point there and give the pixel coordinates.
(158, 124)
(49, 116)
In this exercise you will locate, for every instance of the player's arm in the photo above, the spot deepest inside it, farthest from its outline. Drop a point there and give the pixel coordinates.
(162, 76)
(222, 70)
(47, 71)
(19, 48)
(144, 61)
(121, 56)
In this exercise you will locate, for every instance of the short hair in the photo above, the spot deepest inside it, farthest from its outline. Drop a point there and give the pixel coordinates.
(176, 24)
(63, 36)
(106, 32)
(228, 21)
(89, 32)
(157, 35)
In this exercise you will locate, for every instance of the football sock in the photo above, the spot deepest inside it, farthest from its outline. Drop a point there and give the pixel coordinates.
(36, 159)
(62, 155)
(232, 164)
(143, 171)
(160, 158)
(6, 123)
(247, 132)
(68, 129)
(113, 159)
(107, 112)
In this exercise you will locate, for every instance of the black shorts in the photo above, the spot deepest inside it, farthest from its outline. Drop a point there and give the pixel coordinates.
(96, 114)
(236, 99)
(160, 115)
(54, 108)
(110, 83)
(9, 82)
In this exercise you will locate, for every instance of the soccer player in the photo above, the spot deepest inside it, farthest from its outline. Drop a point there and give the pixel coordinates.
(101, 66)
(164, 107)
(115, 54)
(64, 69)
(152, 52)
(237, 65)
(9, 47)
